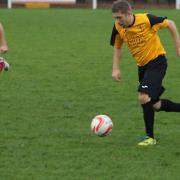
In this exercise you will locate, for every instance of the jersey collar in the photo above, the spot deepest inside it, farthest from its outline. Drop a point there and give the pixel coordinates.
(134, 18)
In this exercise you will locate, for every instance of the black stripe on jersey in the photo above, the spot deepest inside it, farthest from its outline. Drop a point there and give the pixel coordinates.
(155, 20)
(113, 36)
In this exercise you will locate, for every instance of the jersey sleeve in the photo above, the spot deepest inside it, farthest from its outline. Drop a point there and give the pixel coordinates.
(116, 40)
(157, 22)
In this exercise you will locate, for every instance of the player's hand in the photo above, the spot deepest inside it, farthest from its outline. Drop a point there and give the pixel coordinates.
(3, 49)
(116, 74)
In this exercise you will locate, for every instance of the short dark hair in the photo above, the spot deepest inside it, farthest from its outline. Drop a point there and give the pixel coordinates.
(121, 5)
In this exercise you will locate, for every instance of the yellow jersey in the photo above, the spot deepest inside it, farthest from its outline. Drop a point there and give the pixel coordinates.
(141, 37)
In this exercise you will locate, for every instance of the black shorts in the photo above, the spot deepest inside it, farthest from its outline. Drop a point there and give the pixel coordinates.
(151, 76)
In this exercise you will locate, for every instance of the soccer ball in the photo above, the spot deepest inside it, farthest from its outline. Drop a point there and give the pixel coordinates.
(3, 65)
(101, 125)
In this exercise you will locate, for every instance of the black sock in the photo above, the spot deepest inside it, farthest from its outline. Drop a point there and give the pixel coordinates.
(169, 106)
(148, 112)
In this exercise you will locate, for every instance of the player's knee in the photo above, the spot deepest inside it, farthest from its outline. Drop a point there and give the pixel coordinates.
(157, 106)
(144, 98)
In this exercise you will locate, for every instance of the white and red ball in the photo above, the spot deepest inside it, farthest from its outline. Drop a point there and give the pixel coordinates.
(101, 125)
(3, 65)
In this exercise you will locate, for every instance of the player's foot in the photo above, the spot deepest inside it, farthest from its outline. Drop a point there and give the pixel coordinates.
(3, 64)
(147, 141)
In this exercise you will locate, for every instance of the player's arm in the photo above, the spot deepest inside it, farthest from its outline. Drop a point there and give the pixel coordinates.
(3, 43)
(175, 35)
(163, 22)
(116, 73)
(116, 42)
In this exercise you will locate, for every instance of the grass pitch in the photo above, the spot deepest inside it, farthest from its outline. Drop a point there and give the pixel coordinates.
(60, 78)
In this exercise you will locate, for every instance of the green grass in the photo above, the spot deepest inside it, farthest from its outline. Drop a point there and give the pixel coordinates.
(60, 78)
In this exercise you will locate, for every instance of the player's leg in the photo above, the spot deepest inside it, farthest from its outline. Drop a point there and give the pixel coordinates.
(145, 99)
(148, 113)
(167, 105)
(150, 89)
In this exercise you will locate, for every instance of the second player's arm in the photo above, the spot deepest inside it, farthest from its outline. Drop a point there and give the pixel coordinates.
(116, 73)
(174, 32)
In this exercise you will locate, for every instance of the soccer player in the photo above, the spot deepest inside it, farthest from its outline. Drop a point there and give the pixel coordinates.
(3, 49)
(139, 32)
